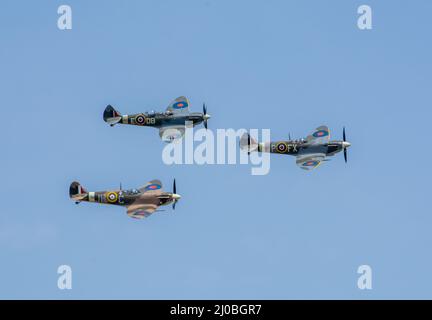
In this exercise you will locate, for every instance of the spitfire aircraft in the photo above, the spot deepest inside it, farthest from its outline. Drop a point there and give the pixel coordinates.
(310, 152)
(171, 123)
(140, 203)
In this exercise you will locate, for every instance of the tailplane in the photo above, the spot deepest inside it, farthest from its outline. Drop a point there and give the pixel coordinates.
(248, 143)
(77, 192)
(111, 115)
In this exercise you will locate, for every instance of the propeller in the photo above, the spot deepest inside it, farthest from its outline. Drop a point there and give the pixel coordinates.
(249, 141)
(344, 147)
(205, 116)
(175, 195)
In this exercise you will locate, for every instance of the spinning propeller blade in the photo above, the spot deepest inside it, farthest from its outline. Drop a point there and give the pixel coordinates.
(174, 192)
(344, 149)
(205, 115)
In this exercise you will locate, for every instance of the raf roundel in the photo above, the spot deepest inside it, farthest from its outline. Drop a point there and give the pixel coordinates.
(140, 119)
(111, 197)
(180, 105)
(138, 214)
(153, 186)
(320, 133)
(281, 147)
(311, 163)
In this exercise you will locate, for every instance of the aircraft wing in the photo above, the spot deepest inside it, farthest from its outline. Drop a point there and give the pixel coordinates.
(179, 105)
(310, 161)
(154, 186)
(141, 211)
(171, 133)
(319, 136)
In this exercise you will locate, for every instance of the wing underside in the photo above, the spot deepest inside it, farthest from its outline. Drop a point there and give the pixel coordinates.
(310, 161)
(141, 211)
(171, 133)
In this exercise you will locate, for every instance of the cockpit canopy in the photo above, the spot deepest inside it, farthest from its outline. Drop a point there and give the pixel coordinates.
(131, 192)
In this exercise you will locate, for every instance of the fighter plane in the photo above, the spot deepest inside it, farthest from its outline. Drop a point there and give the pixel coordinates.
(171, 123)
(310, 152)
(140, 203)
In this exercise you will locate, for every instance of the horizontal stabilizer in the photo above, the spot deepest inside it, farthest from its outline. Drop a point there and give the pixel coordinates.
(76, 191)
(111, 115)
(248, 143)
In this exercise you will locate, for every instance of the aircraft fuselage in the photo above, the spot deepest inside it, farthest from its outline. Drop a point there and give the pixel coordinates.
(295, 147)
(159, 120)
(123, 198)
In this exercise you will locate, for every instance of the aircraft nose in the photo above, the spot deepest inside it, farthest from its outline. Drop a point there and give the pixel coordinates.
(176, 196)
(346, 144)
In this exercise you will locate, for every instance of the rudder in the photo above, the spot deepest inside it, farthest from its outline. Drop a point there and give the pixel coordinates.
(248, 143)
(111, 115)
(76, 190)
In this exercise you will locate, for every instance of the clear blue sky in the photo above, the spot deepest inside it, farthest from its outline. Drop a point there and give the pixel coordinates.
(285, 65)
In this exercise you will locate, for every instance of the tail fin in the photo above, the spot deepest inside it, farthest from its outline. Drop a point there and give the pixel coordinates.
(76, 191)
(248, 143)
(111, 115)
